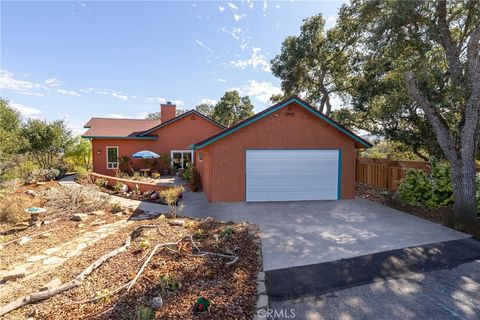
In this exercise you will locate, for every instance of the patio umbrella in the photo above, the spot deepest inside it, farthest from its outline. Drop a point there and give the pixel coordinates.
(145, 154)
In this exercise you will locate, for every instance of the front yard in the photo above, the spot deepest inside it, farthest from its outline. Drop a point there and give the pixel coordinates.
(175, 261)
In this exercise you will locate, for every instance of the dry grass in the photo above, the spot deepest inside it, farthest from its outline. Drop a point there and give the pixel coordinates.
(12, 208)
(75, 199)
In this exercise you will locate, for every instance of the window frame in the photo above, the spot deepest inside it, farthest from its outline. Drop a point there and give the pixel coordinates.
(114, 164)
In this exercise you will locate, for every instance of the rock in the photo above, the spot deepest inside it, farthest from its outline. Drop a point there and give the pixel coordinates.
(54, 283)
(216, 236)
(98, 222)
(45, 235)
(24, 241)
(226, 250)
(124, 188)
(52, 260)
(14, 274)
(162, 216)
(79, 217)
(209, 219)
(49, 251)
(46, 222)
(31, 193)
(22, 225)
(154, 196)
(176, 222)
(80, 225)
(36, 258)
(157, 302)
(98, 213)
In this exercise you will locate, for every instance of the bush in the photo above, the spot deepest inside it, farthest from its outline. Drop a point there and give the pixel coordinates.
(171, 196)
(82, 173)
(12, 209)
(433, 190)
(101, 182)
(118, 186)
(145, 313)
(26, 171)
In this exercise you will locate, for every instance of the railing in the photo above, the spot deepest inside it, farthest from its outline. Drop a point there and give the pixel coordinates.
(385, 173)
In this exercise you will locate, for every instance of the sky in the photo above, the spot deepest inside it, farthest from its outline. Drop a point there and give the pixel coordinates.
(83, 59)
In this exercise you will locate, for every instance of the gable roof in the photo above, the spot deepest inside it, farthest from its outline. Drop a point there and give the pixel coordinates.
(160, 125)
(117, 128)
(131, 128)
(274, 108)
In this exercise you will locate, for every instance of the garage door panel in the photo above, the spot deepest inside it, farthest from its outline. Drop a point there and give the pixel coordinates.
(292, 175)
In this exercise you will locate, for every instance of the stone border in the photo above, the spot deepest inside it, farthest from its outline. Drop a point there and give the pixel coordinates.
(143, 186)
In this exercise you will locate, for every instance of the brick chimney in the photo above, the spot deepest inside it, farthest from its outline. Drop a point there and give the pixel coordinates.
(167, 111)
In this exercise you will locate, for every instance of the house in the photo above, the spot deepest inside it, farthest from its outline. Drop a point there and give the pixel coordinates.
(172, 135)
(287, 152)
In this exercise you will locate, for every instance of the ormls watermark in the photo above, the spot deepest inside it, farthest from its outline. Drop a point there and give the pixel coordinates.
(272, 314)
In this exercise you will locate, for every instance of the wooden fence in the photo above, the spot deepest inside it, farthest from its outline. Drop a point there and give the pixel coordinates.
(385, 173)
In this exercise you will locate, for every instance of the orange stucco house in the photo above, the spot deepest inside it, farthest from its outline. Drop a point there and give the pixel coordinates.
(288, 152)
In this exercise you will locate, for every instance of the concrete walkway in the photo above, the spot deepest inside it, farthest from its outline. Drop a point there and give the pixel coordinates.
(302, 233)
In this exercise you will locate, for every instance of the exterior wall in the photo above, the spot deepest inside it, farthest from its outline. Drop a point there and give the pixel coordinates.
(281, 130)
(179, 135)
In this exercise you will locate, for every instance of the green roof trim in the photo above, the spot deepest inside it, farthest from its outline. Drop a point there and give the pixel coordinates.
(274, 108)
(130, 138)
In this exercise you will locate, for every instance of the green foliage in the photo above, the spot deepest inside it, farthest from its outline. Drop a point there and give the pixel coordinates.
(144, 244)
(168, 285)
(395, 150)
(10, 124)
(46, 141)
(82, 173)
(232, 108)
(433, 190)
(101, 182)
(145, 313)
(116, 208)
(118, 186)
(199, 233)
(171, 196)
(103, 295)
(227, 232)
(205, 109)
(78, 154)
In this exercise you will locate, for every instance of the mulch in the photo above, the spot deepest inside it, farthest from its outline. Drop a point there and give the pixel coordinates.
(232, 288)
(444, 216)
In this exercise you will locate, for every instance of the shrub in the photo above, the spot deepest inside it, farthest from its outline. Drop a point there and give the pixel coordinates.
(26, 171)
(145, 313)
(78, 199)
(82, 173)
(118, 186)
(171, 196)
(12, 209)
(168, 284)
(116, 208)
(101, 182)
(227, 232)
(415, 188)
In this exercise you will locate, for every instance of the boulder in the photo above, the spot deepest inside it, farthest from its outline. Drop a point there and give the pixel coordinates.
(124, 188)
(98, 213)
(79, 217)
(14, 274)
(31, 193)
(24, 241)
(45, 235)
(80, 225)
(154, 196)
(157, 302)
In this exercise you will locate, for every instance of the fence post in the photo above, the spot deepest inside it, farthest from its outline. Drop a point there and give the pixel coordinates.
(389, 176)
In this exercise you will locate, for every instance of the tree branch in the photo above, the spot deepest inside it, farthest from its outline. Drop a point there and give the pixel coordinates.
(443, 134)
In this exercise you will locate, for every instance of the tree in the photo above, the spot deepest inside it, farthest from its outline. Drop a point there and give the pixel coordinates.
(313, 64)
(157, 115)
(46, 141)
(79, 153)
(232, 108)
(10, 123)
(423, 58)
(205, 109)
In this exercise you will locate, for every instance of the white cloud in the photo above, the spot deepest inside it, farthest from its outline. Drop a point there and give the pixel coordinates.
(257, 61)
(265, 7)
(208, 101)
(262, 91)
(221, 80)
(250, 4)
(221, 9)
(114, 94)
(239, 17)
(236, 33)
(7, 81)
(115, 116)
(53, 82)
(277, 6)
(330, 21)
(24, 110)
(69, 92)
(232, 6)
(201, 44)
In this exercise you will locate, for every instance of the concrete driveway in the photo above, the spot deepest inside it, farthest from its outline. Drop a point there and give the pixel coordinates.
(303, 233)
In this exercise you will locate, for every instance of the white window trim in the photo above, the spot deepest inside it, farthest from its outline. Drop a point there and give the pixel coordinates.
(106, 155)
(182, 151)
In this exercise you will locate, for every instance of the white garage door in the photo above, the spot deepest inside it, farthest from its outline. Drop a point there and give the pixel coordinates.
(292, 175)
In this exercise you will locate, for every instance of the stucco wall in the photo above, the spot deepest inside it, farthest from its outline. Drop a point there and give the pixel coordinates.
(291, 127)
(179, 135)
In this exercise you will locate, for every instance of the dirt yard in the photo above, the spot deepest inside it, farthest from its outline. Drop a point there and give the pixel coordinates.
(218, 260)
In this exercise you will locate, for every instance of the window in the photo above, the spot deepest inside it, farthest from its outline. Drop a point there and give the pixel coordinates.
(200, 156)
(112, 157)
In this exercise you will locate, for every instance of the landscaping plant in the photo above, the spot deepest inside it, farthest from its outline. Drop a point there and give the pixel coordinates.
(171, 196)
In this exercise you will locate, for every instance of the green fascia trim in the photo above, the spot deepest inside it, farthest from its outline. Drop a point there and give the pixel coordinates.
(339, 183)
(123, 138)
(351, 135)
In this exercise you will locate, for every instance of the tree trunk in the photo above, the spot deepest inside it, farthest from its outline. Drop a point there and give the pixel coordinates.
(464, 190)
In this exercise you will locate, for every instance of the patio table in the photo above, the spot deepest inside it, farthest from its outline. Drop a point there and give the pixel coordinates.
(145, 171)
